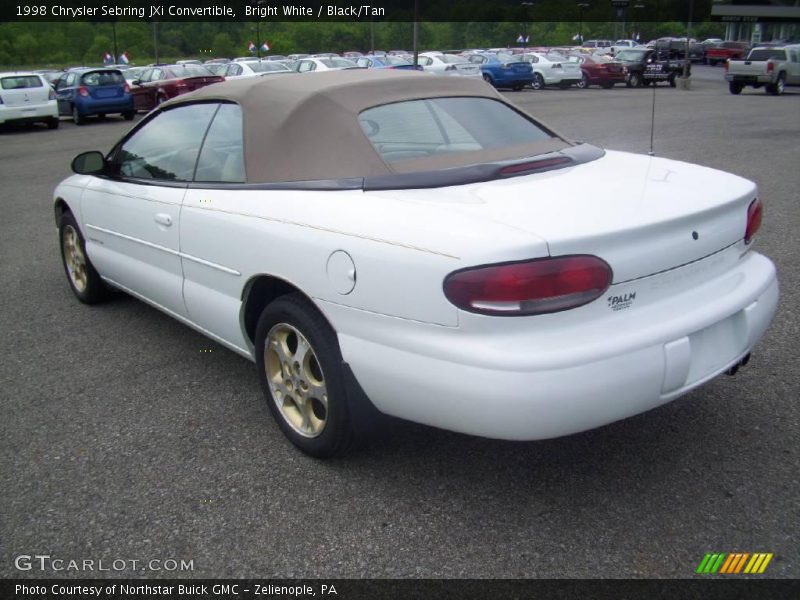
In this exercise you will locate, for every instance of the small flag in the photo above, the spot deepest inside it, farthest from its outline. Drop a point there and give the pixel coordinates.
(123, 58)
(265, 47)
(520, 39)
(108, 59)
(251, 47)
(576, 37)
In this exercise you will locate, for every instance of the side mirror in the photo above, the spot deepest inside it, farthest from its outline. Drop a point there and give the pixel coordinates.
(136, 82)
(89, 163)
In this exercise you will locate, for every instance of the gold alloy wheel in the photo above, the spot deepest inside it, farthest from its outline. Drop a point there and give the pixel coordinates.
(296, 380)
(74, 259)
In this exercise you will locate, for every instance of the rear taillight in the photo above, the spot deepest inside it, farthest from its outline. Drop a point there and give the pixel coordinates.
(83, 91)
(727, 64)
(754, 213)
(770, 66)
(531, 287)
(127, 89)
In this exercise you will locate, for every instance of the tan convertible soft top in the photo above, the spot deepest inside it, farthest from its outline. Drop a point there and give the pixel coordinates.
(305, 127)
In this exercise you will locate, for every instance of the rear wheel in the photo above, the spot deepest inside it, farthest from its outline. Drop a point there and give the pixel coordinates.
(735, 87)
(584, 82)
(671, 80)
(488, 79)
(538, 81)
(777, 88)
(83, 279)
(300, 367)
(634, 80)
(77, 117)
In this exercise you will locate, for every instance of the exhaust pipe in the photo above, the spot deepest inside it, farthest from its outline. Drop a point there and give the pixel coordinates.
(735, 368)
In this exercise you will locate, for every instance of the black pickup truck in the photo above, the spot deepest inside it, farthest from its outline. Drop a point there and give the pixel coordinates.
(645, 66)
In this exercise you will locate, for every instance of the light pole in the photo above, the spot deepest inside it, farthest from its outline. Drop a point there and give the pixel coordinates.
(114, 36)
(688, 37)
(581, 6)
(527, 5)
(155, 40)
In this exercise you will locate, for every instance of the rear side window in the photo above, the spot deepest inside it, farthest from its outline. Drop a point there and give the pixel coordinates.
(166, 147)
(766, 54)
(18, 82)
(103, 78)
(422, 128)
(222, 156)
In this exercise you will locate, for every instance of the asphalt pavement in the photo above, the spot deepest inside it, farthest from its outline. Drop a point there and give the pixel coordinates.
(123, 438)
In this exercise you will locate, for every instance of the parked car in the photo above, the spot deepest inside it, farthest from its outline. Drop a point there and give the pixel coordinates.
(597, 44)
(191, 61)
(575, 286)
(385, 62)
(773, 67)
(599, 70)
(217, 61)
(133, 74)
(645, 66)
(552, 70)
(325, 55)
(238, 70)
(87, 92)
(308, 65)
(51, 76)
(352, 54)
(724, 51)
(504, 70)
(27, 98)
(447, 64)
(159, 84)
(298, 56)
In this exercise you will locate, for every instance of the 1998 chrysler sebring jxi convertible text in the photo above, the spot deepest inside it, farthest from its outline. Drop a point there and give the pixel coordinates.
(422, 243)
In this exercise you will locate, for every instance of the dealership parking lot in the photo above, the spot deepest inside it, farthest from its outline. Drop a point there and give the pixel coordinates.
(127, 436)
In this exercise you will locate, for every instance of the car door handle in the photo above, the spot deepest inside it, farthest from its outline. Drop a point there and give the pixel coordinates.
(163, 219)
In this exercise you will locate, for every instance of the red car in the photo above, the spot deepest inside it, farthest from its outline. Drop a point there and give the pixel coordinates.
(162, 82)
(599, 70)
(722, 52)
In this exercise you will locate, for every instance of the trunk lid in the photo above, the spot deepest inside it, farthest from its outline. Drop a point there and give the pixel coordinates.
(642, 215)
(24, 90)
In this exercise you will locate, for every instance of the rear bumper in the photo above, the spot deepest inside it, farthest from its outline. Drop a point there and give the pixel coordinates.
(111, 105)
(749, 79)
(21, 114)
(520, 386)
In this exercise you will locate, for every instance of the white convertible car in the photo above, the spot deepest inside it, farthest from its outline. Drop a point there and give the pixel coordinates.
(419, 245)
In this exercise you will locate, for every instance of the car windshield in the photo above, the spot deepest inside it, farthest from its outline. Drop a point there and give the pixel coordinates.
(630, 54)
(20, 81)
(189, 71)
(102, 78)
(264, 67)
(396, 61)
(424, 128)
(766, 54)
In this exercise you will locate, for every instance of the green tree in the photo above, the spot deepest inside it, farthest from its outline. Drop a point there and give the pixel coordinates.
(222, 46)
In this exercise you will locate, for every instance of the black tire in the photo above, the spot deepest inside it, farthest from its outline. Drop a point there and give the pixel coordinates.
(160, 100)
(777, 88)
(77, 117)
(634, 80)
(294, 312)
(128, 115)
(53, 123)
(584, 82)
(93, 290)
(671, 80)
(488, 79)
(735, 87)
(538, 81)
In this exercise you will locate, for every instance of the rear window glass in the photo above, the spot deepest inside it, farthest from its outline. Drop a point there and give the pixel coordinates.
(19, 82)
(189, 71)
(766, 54)
(422, 128)
(264, 67)
(103, 78)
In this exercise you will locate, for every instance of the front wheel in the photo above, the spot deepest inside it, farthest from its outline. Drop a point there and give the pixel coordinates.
(300, 368)
(634, 80)
(777, 88)
(735, 88)
(584, 82)
(538, 81)
(83, 279)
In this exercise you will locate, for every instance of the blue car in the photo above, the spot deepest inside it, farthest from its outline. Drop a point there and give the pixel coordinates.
(504, 70)
(84, 92)
(386, 62)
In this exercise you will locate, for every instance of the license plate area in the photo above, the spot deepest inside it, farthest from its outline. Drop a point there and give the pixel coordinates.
(716, 346)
